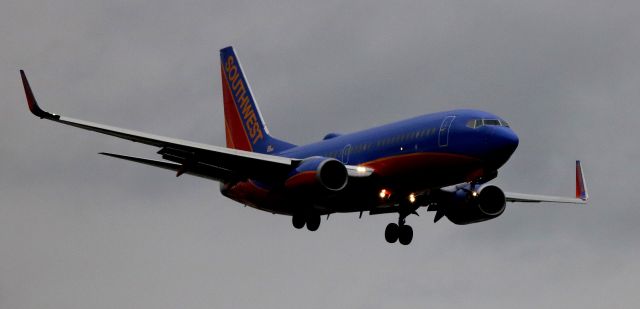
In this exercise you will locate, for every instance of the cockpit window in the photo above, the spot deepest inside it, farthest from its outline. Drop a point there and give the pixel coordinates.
(476, 123)
(491, 122)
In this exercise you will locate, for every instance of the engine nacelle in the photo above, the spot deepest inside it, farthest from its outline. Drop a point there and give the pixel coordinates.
(318, 173)
(467, 206)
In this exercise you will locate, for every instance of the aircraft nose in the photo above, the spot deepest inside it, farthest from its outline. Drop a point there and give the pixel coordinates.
(502, 143)
(507, 140)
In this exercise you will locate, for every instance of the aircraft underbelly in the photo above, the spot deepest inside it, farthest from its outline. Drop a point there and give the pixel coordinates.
(404, 174)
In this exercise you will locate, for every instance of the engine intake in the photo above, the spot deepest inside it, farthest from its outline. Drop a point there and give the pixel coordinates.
(327, 174)
(332, 175)
(466, 207)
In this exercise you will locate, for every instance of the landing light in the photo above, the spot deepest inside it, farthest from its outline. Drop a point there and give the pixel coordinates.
(384, 193)
(361, 169)
(412, 198)
(474, 193)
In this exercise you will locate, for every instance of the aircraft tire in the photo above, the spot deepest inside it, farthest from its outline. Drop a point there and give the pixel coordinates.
(313, 222)
(391, 233)
(405, 234)
(298, 221)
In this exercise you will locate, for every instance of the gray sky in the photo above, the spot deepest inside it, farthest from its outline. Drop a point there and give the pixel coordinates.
(78, 230)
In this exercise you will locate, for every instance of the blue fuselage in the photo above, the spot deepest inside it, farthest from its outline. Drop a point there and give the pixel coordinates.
(413, 155)
(445, 132)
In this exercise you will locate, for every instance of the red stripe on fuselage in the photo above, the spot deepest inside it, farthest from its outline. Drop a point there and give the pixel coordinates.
(245, 192)
(301, 179)
(408, 172)
(239, 137)
(414, 162)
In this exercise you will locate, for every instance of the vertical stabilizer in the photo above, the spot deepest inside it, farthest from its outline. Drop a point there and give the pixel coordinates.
(244, 126)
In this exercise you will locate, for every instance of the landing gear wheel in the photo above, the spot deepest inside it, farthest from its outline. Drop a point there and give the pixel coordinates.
(391, 233)
(405, 234)
(298, 221)
(313, 222)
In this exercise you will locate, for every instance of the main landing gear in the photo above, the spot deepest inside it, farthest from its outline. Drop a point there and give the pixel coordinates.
(312, 221)
(399, 232)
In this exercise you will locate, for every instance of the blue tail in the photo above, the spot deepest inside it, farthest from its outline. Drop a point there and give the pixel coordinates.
(244, 126)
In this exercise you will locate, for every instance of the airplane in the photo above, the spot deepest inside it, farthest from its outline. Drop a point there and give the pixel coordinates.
(441, 161)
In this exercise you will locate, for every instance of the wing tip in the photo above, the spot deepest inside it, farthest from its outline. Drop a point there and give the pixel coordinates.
(31, 100)
(581, 185)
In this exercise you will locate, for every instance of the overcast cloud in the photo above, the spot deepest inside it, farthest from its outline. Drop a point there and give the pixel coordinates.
(78, 230)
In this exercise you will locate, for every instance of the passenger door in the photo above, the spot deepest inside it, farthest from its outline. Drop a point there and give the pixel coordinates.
(345, 154)
(443, 137)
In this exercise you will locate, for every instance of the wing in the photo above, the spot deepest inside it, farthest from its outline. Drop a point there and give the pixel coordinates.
(198, 159)
(581, 193)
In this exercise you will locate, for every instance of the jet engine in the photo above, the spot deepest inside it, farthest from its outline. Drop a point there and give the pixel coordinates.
(318, 173)
(468, 206)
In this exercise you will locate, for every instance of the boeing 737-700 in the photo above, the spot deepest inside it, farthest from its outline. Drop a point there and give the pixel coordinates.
(441, 161)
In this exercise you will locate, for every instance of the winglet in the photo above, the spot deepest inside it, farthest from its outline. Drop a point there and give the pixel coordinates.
(31, 101)
(581, 185)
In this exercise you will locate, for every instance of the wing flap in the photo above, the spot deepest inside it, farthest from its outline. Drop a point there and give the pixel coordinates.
(199, 170)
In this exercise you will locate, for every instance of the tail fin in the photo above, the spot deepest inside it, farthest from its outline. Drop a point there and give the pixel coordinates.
(244, 125)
